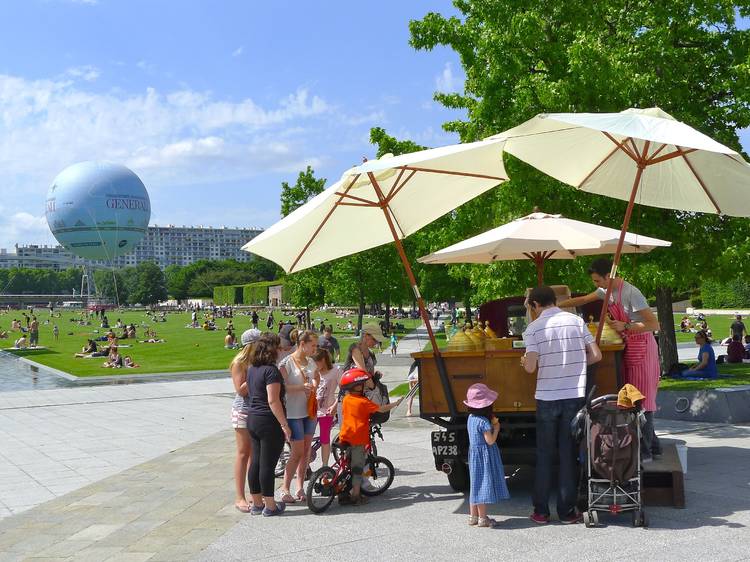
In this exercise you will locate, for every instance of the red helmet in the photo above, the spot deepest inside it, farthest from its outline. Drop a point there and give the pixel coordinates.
(352, 378)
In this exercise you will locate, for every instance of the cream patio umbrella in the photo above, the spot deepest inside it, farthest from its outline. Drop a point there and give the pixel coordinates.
(642, 155)
(540, 237)
(383, 201)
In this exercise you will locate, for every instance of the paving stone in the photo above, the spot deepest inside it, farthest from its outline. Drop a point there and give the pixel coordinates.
(131, 557)
(94, 532)
(65, 548)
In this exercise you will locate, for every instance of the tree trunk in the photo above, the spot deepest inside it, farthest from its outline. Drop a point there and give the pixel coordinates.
(361, 311)
(467, 306)
(308, 319)
(388, 313)
(667, 339)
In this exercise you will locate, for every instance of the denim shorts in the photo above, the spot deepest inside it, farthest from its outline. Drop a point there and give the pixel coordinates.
(301, 427)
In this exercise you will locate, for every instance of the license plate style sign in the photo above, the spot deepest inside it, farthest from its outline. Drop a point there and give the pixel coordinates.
(445, 444)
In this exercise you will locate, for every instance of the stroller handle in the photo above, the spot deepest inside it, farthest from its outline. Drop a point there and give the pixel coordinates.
(599, 399)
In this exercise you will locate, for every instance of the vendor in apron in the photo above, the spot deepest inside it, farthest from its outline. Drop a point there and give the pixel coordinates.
(630, 315)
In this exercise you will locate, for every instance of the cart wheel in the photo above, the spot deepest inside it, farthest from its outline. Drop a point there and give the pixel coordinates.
(644, 519)
(587, 519)
(595, 518)
(459, 477)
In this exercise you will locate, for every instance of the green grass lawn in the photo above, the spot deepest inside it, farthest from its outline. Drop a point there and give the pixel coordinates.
(737, 374)
(186, 349)
(719, 325)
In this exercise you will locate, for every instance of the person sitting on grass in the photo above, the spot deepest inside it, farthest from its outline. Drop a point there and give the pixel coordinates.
(21, 343)
(230, 340)
(129, 363)
(3, 334)
(355, 427)
(685, 324)
(747, 346)
(114, 361)
(735, 350)
(706, 367)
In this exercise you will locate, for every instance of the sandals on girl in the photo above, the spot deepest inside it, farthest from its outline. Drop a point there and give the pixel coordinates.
(286, 497)
(473, 519)
(487, 522)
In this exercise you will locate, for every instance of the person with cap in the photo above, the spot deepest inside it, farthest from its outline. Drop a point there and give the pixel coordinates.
(240, 409)
(359, 354)
(486, 472)
(560, 345)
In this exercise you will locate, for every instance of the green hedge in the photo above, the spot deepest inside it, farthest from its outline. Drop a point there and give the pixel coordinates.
(725, 294)
(250, 294)
(228, 294)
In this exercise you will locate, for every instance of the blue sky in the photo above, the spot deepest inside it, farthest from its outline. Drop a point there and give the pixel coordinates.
(212, 103)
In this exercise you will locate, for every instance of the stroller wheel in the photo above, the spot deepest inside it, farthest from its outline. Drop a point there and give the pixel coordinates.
(595, 518)
(587, 518)
(638, 518)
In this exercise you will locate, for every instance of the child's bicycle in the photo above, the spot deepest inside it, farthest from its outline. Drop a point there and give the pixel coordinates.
(330, 481)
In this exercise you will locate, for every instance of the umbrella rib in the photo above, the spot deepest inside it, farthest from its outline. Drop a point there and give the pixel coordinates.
(393, 193)
(323, 222)
(452, 173)
(678, 152)
(367, 202)
(621, 145)
(700, 181)
(604, 161)
(395, 184)
(657, 151)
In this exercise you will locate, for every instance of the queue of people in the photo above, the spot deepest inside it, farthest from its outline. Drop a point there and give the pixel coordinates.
(286, 386)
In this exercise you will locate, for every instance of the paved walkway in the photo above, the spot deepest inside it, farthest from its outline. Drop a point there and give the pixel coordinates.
(55, 441)
(180, 507)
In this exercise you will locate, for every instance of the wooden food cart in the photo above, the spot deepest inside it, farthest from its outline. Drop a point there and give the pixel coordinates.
(495, 363)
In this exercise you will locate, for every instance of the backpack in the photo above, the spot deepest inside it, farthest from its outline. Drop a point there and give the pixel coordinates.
(379, 395)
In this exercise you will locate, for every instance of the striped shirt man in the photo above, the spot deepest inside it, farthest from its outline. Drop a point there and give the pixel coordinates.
(559, 340)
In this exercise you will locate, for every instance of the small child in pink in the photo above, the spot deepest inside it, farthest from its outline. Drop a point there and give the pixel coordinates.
(330, 376)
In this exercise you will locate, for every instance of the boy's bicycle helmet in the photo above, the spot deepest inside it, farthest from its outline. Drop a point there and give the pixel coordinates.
(352, 378)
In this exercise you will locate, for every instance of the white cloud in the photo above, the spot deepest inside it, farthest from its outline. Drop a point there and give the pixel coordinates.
(23, 227)
(238, 51)
(87, 72)
(169, 138)
(446, 81)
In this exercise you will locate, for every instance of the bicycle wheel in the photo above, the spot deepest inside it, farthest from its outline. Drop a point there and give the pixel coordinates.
(321, 489)
(378, 474)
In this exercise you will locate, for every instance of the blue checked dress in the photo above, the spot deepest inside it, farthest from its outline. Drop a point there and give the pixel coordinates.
(485, 466)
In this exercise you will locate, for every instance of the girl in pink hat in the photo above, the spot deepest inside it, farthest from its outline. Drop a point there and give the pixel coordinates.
(485, 465)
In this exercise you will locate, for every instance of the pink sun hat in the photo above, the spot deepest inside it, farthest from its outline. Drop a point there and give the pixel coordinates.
(480, 396)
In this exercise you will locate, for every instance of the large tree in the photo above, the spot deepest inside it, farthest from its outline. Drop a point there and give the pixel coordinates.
(523, 57)
(305, 288)
(145, 283)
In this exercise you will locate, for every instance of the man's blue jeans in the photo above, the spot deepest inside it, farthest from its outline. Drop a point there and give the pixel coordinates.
(553, 439)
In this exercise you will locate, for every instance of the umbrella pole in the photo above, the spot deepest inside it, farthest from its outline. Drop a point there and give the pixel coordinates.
(539, 261)
(439, 362)
(618, 251)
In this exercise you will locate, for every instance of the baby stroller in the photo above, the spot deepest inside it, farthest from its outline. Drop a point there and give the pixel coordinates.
(610, 439)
